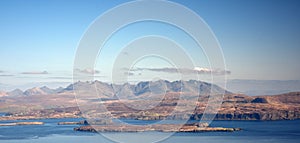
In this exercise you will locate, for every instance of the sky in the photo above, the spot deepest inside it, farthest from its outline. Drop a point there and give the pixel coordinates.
(39, 40)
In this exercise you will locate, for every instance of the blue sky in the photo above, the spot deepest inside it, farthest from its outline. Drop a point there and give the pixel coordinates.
(259, 38)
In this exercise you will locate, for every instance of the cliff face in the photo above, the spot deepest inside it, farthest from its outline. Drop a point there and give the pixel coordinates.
(277, 115)
(234, 107)
(275, 107)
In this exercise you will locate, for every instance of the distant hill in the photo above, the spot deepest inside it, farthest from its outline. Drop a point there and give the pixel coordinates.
(39, 91)
(32, 91)
(3, 93)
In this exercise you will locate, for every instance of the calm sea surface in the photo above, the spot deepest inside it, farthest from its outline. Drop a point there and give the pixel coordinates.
(253, 132)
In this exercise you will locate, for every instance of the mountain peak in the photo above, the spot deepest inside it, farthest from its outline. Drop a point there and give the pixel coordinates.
(16, 92)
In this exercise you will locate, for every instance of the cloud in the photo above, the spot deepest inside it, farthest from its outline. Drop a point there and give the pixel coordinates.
(129, 73)
(99, 76)
(35, 72)
(211, 71)
(5, 75)
(87, 71)
(198, 70)
(60, 77)
(125, 53)
(168, 70)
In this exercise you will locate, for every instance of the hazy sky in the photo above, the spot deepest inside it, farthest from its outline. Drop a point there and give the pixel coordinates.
(259, 38)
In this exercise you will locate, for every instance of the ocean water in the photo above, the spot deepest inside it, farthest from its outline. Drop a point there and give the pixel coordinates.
(2, 114)
(253, 132)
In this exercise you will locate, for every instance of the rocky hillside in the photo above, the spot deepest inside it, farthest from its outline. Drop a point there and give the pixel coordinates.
(275, 107)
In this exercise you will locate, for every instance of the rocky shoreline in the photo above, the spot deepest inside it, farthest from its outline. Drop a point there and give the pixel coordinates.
(83, 122)
(269, 116)
(21, 123)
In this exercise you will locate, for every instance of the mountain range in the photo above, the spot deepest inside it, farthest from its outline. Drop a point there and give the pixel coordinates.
(128, 90)
(243, 86)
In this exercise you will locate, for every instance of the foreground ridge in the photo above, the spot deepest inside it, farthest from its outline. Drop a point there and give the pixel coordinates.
(63, 104)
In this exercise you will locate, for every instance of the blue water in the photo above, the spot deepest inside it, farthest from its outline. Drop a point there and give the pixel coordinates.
(253, 132)
(2, 114)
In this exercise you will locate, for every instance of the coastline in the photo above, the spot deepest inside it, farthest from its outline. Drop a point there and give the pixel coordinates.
(12, 118)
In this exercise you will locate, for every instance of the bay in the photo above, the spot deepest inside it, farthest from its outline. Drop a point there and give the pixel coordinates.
(253, 132)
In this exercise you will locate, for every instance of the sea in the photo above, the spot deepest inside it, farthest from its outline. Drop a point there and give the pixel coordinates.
(252, 132)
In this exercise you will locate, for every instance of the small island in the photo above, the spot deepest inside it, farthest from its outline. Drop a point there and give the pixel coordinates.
(195, 127)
